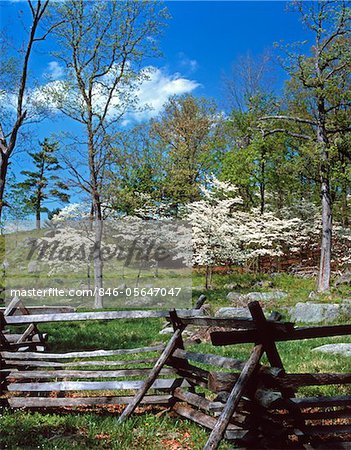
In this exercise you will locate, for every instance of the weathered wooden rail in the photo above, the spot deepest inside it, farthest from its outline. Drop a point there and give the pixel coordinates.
(257, 406)
(29, 378)
(31, 338)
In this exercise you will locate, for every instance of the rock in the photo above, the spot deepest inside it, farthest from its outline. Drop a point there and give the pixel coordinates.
(229, 312)
(345, 278)
(310, 312)
(33, 267)
(342, 349)
(259, 296)
(266, 296)
(198, 288)
(266, 284)
(346, 308)
(50, 233)
(167, 330)
(235, 296)
(231, 286)
(205, 310)
(233, 312)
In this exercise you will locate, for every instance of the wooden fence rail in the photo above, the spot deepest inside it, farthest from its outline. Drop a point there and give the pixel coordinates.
(255, 405)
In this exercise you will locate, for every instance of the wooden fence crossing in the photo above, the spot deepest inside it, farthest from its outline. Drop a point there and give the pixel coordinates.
(257, 406)
(31, 338)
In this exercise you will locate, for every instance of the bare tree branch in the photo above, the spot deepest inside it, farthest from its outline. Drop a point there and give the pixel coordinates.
(285, 131)
(290, 118)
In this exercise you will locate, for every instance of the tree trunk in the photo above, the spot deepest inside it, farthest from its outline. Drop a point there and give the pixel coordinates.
(98, 264)
(344, 193)
(208, 280)
(4, 163)
(98, 227)
(262, 197)
(38, 218)
(262, 184)
(97, 213)
(326, 242)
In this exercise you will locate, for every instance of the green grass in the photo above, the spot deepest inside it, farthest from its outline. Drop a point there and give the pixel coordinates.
(103, 334)
(21, 430)
(152, 431)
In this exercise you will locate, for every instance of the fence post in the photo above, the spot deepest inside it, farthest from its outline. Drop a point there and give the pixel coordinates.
(232, 403)
(3, 346)
(167, 352)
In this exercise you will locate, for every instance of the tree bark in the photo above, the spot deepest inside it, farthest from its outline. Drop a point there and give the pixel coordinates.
(38, 218)
(98, 222)
(4, 164)
(326, 202)
(98, 264)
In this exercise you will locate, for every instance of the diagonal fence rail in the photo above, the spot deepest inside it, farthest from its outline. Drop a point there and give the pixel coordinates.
(253, 404)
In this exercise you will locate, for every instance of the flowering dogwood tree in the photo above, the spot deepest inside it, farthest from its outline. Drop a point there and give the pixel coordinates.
(224, 232)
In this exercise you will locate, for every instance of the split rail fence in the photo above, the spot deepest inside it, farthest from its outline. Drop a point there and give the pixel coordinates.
(255, 405)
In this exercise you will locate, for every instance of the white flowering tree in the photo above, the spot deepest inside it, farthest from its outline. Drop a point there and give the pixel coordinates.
(223, 232)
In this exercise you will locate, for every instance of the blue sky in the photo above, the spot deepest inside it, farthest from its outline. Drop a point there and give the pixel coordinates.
(201, 42)
(215, 34)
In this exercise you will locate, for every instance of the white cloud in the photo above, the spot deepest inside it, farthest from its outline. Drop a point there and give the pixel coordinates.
(150, 95)
(155, 91)
(54, 71)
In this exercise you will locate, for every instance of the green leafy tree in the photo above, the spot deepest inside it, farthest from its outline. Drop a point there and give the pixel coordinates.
(136, 169)
(256, 159)
(43, 184)
(318, 104)
(190, 132)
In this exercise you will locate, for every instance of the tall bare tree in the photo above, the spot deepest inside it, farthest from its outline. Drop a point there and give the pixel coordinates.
(9, 132)
(102, 45)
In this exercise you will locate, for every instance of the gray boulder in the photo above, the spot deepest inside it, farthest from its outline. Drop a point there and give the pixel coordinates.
(166, 330)
(345, 278)
(346, 308)
(33, 267)
(342, 349)
(233, 312)
(169, 330)
(235, 296)
(310, 312)
(266, 296)
(259, 296)
(50, 233)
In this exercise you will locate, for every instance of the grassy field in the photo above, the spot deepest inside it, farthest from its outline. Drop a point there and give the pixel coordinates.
(158, 429)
